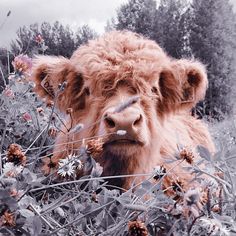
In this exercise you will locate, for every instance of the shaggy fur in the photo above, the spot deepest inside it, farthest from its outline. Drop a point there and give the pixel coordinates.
(105, 73)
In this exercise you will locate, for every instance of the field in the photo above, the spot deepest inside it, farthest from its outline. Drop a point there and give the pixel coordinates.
(38, 199)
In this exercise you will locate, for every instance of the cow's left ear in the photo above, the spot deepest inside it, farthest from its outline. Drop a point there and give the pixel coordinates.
(57, 80)
(193, 79)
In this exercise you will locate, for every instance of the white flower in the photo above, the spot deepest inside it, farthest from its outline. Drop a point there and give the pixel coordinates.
(214, 226)
(79, 165)
(66, 166)
(11, 170)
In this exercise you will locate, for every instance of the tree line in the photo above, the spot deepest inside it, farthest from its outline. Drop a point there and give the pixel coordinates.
(201, 29)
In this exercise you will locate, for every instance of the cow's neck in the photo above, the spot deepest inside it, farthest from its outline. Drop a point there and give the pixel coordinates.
(114, 165)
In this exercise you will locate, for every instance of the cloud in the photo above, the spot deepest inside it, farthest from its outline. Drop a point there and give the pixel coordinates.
(75, 13)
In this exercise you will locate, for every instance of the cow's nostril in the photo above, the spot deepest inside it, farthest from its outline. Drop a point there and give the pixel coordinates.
(109, 122)
(138, 121)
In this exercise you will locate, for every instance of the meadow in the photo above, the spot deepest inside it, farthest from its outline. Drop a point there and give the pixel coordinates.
(36, 198)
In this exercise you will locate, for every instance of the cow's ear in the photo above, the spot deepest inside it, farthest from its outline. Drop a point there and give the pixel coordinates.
(170, 92)
(56, 80)
(194, 82)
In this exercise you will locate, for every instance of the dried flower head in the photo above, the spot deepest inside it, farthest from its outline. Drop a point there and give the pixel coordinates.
(52, 132)
(40, 110)
(11, 170)
(66, 166)
(16, 193)
(177, 187)
(22, 64)
(39, 39)
(213, 227)
(137, 228)
(95, 147)
(173, 187)
(7, 219)
(48, 165)
(192, 202)
(159, 172)
(187, 155)
(8, 93)
(15, 155)
(78, 164)
(27, 117)
(69, 110)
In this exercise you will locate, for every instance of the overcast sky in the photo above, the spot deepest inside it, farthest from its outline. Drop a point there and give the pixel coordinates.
(75, 13)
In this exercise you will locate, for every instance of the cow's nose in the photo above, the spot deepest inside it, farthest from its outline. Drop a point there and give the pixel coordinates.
(129, 121)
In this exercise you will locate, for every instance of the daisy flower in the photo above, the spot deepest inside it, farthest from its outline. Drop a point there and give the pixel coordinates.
(11, 170)
(66, 166)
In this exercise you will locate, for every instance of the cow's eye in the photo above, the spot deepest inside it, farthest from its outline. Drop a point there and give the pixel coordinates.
(154, 89)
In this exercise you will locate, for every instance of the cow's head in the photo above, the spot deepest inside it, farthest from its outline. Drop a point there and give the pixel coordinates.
(121, 82)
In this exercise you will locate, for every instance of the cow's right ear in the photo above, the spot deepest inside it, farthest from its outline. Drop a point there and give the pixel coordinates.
(56, 80)
(193, 79)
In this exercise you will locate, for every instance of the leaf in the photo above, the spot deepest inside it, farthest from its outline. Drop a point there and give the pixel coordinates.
(36, 225)
(26, 201)
(204, 153)
(147, 185)
(26, 213)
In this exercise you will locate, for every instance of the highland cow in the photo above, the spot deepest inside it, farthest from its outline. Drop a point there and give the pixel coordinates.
(158, 91)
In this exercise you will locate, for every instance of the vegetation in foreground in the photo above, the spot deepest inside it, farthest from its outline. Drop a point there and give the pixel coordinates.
(38, 199)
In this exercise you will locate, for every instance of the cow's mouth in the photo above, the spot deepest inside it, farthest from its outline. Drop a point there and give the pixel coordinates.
(123, 142)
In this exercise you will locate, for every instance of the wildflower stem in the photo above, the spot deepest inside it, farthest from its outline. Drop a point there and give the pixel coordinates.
(88, 179)
(193, 222)
(81, 217)
(159, 181)
(2, 142)
(45, 136)
(3, 78)
(214, 177)
(35, 140)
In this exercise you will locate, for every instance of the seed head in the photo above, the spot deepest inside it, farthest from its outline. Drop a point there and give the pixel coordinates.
(186, 155)
(159, 172)
(7, 219)
(137, 228)
(15, 155)
(95, 147)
